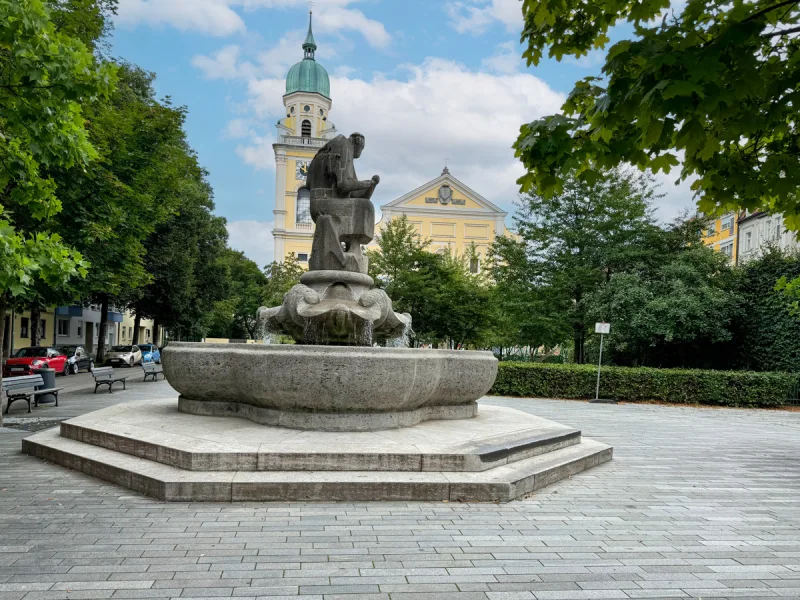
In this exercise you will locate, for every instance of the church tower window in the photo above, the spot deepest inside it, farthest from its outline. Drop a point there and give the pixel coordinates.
(303, 213)
(305, 130)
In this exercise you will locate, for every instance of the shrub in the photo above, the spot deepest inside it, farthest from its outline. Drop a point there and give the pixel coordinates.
(722, 388)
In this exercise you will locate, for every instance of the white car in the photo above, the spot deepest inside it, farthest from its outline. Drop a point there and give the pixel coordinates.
(120, 356)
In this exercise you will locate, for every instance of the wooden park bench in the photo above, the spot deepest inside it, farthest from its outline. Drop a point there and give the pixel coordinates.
(153, 370)
(24, 388)
(107, 376)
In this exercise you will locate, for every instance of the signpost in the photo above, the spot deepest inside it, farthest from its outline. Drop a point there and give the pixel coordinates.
(602, 329)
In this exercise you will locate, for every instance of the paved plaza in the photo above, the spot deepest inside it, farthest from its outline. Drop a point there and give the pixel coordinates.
(697, 503)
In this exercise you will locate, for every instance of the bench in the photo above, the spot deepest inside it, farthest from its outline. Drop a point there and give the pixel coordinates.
(153, 370)
(107, 376)
(24, 388)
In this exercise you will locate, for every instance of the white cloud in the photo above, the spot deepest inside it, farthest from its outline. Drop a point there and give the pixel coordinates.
(258, 152)
(224, 64)
(220, 17)
(212, 17)
(254, 238)
(441, 111)
(505, 60)
(237, 129)
(475, 16)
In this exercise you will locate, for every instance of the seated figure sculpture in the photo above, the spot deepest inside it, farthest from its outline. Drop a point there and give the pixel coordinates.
(336, 301)
(340, 207)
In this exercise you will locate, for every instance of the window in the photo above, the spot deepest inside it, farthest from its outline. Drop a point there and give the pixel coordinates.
(727, 225)
(475, 264)
(80, 328)
(748, 241)
(42, 328)
(727, 249)
(302, 257)
(305, 128)
(147, 334)
(63, 327)
(303, 212)
(778, 230)
(23, 328)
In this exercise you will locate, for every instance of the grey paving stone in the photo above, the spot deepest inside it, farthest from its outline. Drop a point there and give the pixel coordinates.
(697, 503)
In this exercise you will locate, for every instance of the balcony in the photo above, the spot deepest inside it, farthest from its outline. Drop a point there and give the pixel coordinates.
(296, 140)
(304, 226)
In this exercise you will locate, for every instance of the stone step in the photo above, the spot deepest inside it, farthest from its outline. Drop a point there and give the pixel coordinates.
(499, 484)
(156, 431)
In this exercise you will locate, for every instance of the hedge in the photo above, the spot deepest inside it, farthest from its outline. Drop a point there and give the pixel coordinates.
(722, 388)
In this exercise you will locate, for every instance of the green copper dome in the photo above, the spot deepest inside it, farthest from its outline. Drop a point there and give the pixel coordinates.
(308, 75)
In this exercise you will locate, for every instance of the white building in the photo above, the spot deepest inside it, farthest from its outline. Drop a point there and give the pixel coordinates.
(759, 231)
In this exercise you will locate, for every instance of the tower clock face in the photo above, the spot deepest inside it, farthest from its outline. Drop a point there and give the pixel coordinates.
(301, 170)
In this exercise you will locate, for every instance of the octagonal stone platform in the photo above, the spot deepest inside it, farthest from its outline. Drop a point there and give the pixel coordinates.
(151, 447)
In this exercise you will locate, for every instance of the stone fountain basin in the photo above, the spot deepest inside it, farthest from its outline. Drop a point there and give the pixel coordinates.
(331, 388)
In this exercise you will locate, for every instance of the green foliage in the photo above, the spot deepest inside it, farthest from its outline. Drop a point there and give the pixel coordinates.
(181, 255)
(768, 334)
(687, 304)
(446, 302)
(86, 20)
(45, 77)
(235, 316)
(710, 87)
(722, 388)
(281, 277)
(570, 245)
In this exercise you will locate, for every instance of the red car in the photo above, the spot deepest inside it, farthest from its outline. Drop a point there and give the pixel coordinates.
(25, 360)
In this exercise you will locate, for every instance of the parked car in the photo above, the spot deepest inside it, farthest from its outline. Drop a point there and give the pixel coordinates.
(78, 358)
(26, 360)
(124, 355)
(150, 353)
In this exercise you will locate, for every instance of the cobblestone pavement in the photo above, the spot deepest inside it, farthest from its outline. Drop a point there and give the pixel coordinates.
(697, 503)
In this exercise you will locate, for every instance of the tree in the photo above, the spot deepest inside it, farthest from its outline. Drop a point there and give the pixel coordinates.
(45, 77)
(711, 87)
(446, 303)
(572, 243)
(178, 252)
(137, 182)
(673, 317)
(236, 315)
(767, 334)
(281, 277)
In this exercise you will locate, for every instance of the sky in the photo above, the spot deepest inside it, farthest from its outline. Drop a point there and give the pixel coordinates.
(428, 82)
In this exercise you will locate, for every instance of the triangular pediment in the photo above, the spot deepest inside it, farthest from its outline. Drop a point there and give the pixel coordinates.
(431, 197)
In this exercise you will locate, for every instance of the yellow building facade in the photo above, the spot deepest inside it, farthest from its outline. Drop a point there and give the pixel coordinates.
(444, 210)
(722, 234)
(451, 215)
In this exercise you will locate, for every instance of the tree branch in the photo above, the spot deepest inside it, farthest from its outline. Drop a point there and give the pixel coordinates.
(768, 9)
(781, 32)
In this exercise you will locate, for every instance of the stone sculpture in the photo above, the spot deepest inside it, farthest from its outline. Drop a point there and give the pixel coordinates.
(340, 207)
(335, 302)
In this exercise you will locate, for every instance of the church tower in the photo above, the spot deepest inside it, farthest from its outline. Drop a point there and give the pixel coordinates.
(305, 129)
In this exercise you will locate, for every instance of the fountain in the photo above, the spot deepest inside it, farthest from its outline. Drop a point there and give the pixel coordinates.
(332, 417)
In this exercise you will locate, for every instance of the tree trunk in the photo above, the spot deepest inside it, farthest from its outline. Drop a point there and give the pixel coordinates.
(137, 322)
(103, 331)
(36, 325)
(156, 331)
(2, 349)
(578, 338)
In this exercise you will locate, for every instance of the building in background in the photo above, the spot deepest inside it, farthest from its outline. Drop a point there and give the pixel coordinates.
(75, 325)
(721, 235)
(760, 230)
(452, 216)
(304, 131)
(444, 210)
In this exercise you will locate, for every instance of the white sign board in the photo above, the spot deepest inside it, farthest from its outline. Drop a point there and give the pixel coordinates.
(602, 327)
